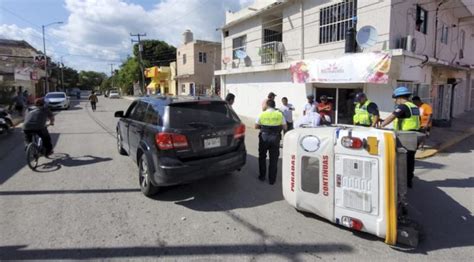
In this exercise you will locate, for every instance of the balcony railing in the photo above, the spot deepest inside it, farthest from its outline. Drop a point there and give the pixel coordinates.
(271, 53)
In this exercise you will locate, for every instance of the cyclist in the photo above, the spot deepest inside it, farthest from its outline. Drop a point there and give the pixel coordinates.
(35, 123)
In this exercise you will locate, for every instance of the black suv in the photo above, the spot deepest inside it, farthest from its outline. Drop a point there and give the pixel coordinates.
(175, 140)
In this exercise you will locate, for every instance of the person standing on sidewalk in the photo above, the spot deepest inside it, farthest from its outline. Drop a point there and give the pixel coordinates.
(325, 109)
(426, 117)
(93, 99)
(366, 112)
(406, 117)
(271, 96)
(311, 106)
(270, 122)
(287, 110)
(230, 99)
(19, 102)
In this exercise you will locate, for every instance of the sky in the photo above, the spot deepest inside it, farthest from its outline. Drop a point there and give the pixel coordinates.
(95, 33)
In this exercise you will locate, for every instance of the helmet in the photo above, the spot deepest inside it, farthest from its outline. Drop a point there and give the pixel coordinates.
(401, 91)
(359, 96)
(39, 102)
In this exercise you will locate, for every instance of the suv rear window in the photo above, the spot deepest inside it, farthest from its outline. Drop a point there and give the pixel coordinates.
(186, 115)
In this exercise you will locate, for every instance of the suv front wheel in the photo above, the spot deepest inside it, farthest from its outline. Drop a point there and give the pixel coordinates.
(147, 188)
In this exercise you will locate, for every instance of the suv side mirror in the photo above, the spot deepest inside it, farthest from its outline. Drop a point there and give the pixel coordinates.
(119, 114)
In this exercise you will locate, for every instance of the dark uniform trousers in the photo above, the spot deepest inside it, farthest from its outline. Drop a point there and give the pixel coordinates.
(44, 134)
(268, 142)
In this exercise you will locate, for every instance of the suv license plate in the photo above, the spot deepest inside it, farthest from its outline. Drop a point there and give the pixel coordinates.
(212, 142)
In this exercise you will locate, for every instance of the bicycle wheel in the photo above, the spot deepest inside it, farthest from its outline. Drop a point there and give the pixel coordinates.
(32, 155)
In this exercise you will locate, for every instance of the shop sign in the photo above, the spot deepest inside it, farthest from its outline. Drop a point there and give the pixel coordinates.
(352, 68)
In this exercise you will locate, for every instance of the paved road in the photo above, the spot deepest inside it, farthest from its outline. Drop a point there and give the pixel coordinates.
(85, 204)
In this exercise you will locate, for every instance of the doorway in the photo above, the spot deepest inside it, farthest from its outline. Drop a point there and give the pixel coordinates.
(342, 100)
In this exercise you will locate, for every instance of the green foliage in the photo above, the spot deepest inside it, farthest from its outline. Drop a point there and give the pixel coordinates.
(90, 79)
(156, 53)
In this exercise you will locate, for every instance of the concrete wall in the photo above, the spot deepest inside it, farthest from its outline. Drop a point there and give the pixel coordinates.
(251, 89)
(188, 68)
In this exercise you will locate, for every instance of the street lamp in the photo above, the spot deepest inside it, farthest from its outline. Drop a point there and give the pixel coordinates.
(46, 57)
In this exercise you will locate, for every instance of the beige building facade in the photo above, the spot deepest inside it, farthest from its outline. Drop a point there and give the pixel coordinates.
(18, 70)
(429, 43)
(196, 61)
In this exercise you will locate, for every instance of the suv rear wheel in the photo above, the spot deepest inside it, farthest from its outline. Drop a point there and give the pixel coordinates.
(147, 188)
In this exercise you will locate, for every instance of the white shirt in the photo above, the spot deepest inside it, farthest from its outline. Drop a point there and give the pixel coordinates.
(310, 107)
(311, 119)
(287, 112)
(257, 121)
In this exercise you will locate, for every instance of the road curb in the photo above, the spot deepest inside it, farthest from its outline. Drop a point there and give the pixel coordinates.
(453, 141)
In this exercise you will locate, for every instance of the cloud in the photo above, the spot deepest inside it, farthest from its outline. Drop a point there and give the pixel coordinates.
(99, 30)
(30, 35)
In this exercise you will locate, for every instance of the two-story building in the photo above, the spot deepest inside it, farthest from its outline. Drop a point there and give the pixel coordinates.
(18, 68)
(299, 47)
(196, 62)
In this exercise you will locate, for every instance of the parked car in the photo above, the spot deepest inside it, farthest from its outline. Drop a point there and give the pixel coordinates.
(114, 94)
(179, 140)
(57, 100)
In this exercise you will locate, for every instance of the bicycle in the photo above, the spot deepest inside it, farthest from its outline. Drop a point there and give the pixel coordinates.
(35, 150)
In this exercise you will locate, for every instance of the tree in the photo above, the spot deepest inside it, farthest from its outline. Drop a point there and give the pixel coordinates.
(156, 53)
(90, 79)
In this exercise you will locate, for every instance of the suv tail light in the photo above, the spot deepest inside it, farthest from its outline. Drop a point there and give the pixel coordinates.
(352, 142)
(239, 131)
(167, 141)
(353, 223)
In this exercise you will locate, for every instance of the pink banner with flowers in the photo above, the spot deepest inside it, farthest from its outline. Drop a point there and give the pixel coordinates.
(351, 68)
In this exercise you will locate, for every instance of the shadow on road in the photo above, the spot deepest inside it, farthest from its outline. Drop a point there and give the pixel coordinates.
(446, 223)
(13, 155)
(287, 251)
(227, 192)
(61, 192)
(61, 159)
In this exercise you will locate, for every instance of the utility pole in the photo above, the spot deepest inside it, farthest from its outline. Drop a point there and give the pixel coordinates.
(112, 74)
(140, 59)
(62, 74)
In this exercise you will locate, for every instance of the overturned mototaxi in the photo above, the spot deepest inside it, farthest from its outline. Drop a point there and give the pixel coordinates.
(352, 176)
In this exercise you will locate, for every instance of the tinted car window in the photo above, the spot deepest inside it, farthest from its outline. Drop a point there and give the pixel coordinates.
(151, 115)
(205, 113)
(139, 111)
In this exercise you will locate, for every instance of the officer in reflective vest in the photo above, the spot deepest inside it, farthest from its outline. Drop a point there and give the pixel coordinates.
(366, 112)
(270, 122)
(406, 117)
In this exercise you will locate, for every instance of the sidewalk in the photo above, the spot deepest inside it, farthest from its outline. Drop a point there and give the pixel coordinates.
(444, 137)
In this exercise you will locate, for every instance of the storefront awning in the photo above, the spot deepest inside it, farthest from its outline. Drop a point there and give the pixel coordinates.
(351, 68)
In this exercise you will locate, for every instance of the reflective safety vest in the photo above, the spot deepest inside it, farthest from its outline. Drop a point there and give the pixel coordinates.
(362, 116)
(408, 124)
(270, 121)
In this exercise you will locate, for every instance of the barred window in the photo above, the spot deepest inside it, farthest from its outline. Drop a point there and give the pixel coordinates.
(335, 20)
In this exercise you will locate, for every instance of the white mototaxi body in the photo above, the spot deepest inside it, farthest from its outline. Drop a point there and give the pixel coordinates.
(348, 175)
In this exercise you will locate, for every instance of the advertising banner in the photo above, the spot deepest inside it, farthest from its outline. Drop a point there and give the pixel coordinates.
(352, 68)
(23, 73)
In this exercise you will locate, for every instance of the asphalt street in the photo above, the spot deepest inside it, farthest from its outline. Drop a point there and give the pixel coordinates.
(85, 203)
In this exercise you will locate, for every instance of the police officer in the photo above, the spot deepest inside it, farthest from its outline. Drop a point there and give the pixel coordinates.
(405, 117)
(270, 122)
(366, 112)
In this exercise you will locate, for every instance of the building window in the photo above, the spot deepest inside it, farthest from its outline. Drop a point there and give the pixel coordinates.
(238, 44)
(202, 57)
(444, 34)
(462, 36)
(335, 20)
(421, 20)
(183, 88)
(184, 59)
(226, 33)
